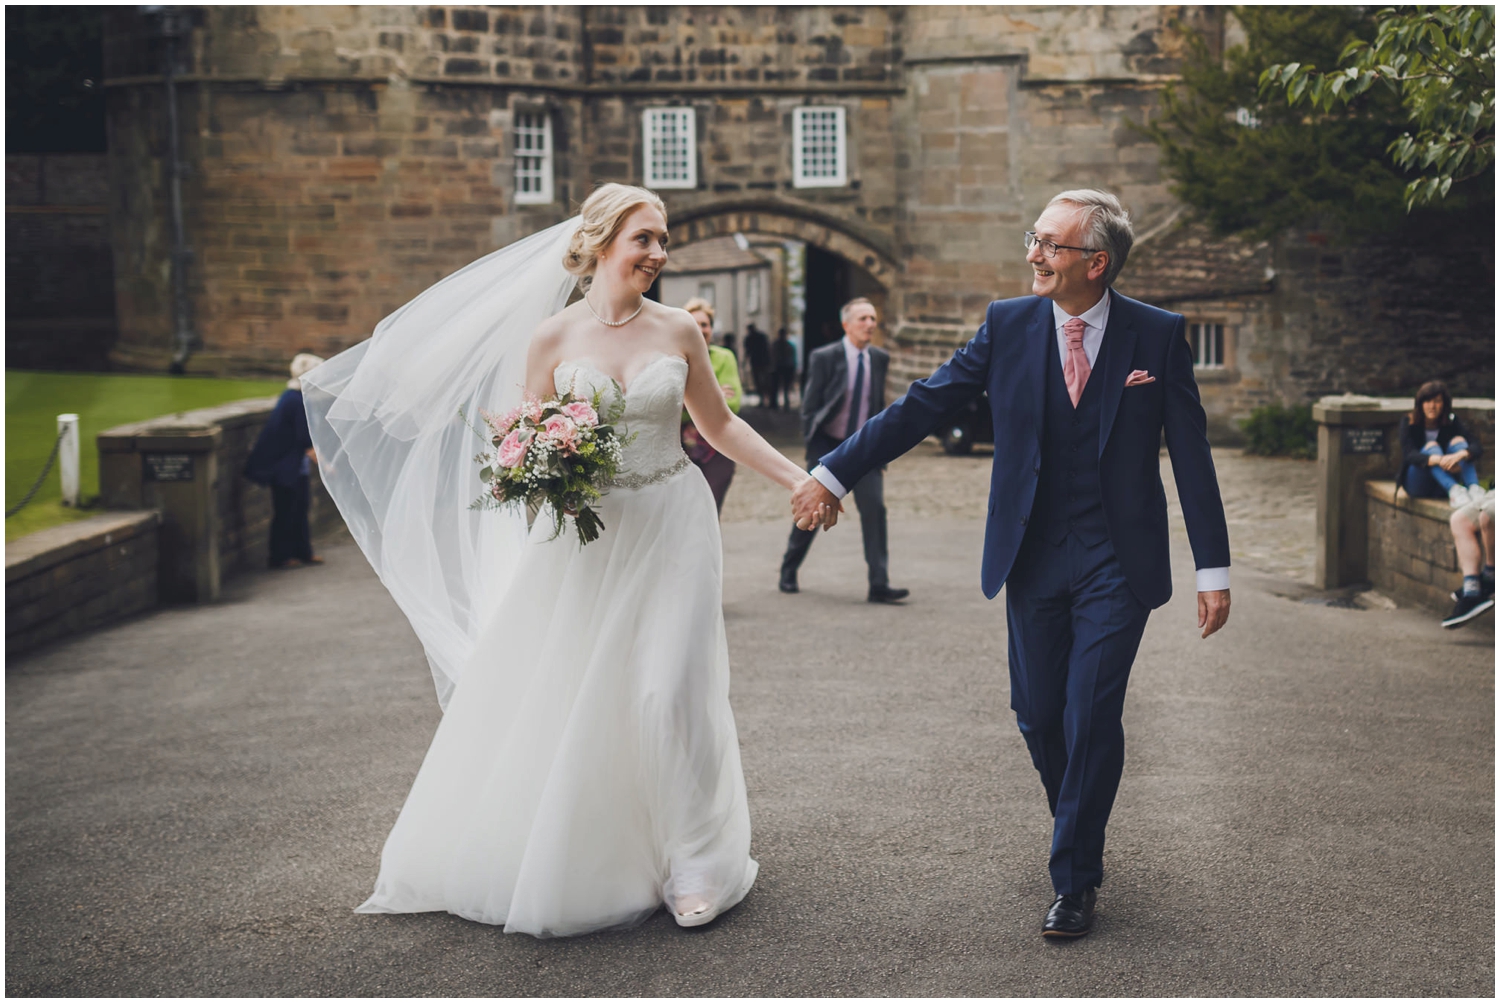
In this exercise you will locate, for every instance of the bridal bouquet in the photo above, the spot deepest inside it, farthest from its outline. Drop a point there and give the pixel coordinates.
(563, 451)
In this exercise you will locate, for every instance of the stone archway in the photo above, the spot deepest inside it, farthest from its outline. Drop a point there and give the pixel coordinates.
(844, 259)
(871, 251)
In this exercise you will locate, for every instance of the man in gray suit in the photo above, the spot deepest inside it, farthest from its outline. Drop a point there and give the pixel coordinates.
(846, 388)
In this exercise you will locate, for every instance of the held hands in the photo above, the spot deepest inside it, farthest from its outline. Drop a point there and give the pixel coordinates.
(1213, 610)
(814, 505)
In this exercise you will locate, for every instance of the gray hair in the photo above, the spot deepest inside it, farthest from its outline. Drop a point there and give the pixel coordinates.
(857, 301)
(1107, 224)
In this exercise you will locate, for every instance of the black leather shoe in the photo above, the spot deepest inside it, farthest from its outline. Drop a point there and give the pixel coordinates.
(888, 594)
(788, 581)
(1070, 915)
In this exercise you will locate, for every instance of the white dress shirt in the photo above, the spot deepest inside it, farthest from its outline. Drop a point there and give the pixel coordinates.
(1095, 319)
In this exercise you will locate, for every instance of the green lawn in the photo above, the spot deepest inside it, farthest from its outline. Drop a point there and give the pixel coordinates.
(101, 400)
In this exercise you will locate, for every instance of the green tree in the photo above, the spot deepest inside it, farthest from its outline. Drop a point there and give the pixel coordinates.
(1257, 166)
(1440, 61)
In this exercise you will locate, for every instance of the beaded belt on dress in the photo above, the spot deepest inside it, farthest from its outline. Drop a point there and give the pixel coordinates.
(634, 481)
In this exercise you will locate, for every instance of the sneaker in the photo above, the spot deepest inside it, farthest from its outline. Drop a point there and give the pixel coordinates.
(1476, 493)
(1467, 608)
(1458, 496)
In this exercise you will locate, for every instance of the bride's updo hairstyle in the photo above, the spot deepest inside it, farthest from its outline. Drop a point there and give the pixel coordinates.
(602, 215)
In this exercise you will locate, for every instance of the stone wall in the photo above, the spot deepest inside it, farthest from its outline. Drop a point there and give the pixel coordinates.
(338, 168)
(79, 576)
(59, 272)
(344, 158)
(215, 523)
(1412, 559)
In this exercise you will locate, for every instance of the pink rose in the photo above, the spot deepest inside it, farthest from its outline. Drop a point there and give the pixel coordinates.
(513, 448)
(582, 413)
(561, 430)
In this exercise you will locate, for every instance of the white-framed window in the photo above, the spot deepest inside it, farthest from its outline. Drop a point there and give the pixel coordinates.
(708, 291)
(533, 158)
(1207, 342)
(669, 144)
(820, 150)
(752, 292)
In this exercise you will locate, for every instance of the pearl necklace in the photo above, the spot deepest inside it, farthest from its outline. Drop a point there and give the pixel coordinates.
(614, 323)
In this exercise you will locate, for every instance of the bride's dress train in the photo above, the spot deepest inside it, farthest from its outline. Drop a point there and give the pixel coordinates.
(587, 768)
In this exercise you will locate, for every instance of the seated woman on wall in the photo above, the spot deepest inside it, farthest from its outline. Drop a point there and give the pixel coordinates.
(717, 468)
(1438, 453)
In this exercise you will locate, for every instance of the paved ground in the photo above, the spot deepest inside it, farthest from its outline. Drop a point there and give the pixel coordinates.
(196, 799)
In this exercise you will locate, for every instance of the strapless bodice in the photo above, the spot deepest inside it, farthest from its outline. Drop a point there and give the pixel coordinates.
(652, 417)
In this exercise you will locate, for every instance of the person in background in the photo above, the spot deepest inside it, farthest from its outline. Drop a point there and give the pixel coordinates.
(845, 389)
(784, 367)
(1438, 453)
(758, 355)
(1473, 528)
(717, 468)
(282, 460)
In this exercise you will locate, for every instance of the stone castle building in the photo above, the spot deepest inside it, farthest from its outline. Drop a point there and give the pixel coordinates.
(338, 160)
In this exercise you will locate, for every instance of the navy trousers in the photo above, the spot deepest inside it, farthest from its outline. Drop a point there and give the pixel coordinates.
(291, 536)
(1074, 629)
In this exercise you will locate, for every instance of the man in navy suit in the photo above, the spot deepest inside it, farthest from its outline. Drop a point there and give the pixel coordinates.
(1083, 383)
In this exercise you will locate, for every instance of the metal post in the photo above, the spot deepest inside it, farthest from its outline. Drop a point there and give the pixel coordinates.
(67, 457)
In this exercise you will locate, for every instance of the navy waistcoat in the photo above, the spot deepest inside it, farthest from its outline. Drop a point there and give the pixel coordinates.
(1068, 493)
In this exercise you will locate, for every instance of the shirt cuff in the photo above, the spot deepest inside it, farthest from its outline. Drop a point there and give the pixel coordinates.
(1213, 579)
(823, 476)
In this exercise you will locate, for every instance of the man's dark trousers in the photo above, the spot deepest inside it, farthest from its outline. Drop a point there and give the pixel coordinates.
(869, 499)
(1074, 628)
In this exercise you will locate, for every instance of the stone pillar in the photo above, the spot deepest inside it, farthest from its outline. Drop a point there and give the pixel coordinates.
(171, 465)
(1356, 441)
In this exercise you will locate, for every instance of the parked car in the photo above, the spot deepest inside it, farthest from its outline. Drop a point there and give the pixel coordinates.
(966, 426)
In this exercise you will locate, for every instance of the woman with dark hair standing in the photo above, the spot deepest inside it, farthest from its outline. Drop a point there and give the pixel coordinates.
(1438, 453)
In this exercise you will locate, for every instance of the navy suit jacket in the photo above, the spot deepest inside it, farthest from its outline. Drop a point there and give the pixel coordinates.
(1007, 358)
(280, 453)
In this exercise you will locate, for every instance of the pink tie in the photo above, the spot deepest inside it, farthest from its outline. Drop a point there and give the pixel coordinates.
(1076, 366)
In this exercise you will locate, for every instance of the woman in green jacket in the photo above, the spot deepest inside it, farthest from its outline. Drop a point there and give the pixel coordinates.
(717, 468)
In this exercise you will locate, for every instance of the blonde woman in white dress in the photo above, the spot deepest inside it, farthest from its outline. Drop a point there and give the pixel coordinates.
(586, 770)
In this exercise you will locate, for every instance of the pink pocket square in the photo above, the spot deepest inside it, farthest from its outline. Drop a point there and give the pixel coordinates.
(1139, 378)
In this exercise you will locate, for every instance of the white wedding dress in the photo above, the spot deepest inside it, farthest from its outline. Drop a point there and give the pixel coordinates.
(586, 770)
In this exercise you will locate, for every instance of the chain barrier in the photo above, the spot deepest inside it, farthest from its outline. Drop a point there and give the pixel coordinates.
(40, 478)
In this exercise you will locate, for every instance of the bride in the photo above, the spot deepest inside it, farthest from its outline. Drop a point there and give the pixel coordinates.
(586, 769)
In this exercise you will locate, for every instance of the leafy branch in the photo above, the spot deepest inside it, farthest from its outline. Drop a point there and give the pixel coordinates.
(1440, 61)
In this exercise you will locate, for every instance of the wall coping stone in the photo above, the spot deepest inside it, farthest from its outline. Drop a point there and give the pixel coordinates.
(47, 548)
(1330, 409)
(199, 430)
(1438, 510)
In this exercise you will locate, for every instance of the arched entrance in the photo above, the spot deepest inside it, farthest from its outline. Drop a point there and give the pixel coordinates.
(840, 261)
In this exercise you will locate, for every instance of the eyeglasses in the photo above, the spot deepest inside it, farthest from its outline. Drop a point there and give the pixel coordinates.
(1050, 249)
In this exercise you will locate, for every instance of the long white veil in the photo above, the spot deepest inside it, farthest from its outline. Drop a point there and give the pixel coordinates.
(397, 458)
